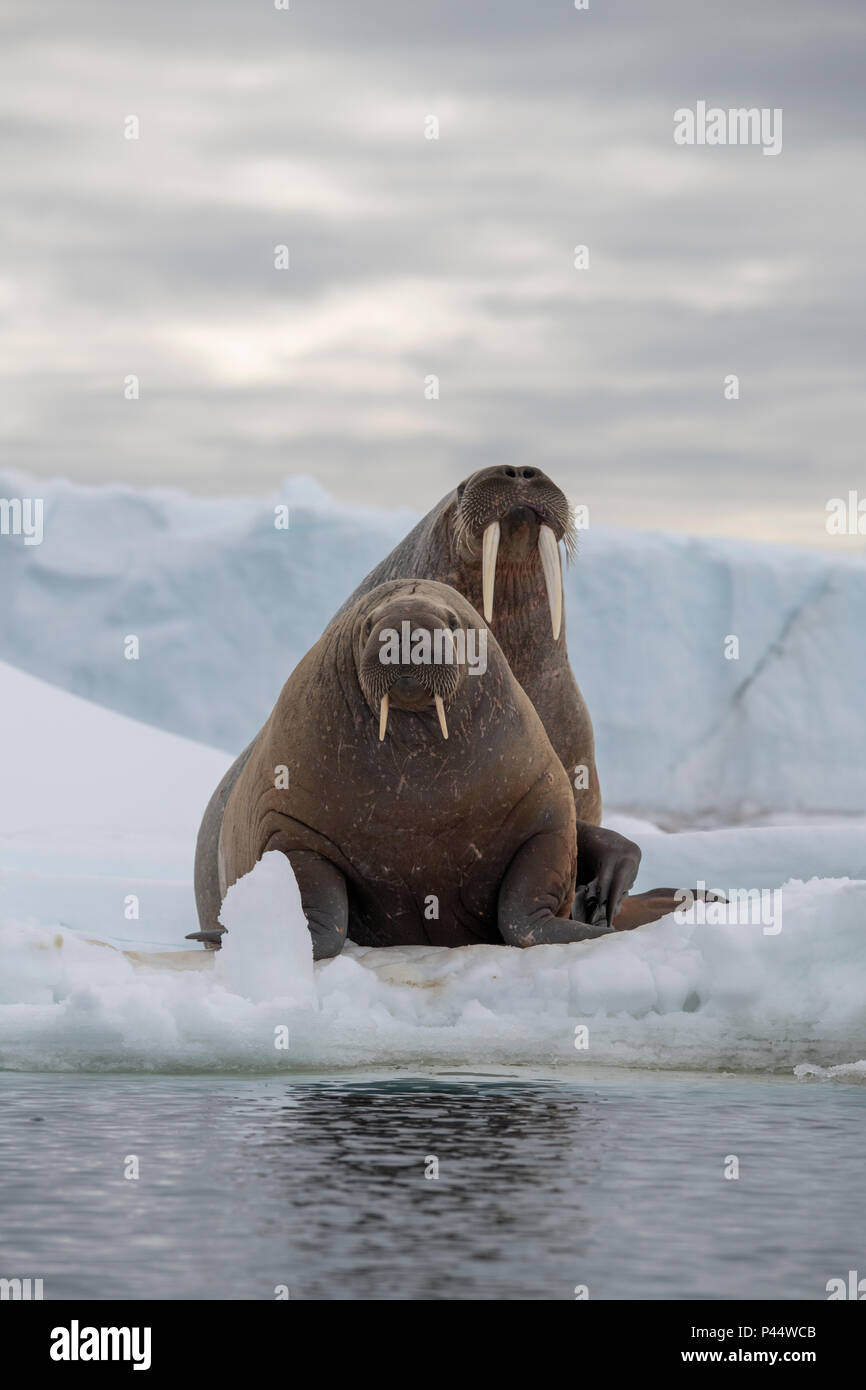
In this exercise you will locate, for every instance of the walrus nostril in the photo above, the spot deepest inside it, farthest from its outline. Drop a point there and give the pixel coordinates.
(509, 472)
(529, 473)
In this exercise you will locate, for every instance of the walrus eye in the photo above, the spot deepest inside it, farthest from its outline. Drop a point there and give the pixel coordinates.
(453, 623)
(460, 491)
(368, 627)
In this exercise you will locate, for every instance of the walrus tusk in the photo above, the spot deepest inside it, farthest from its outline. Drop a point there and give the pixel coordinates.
(489, 547)
(440, 710)
(549, 552)
(383, 717)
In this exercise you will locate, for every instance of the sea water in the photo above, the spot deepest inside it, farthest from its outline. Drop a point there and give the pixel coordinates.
(442, 1185)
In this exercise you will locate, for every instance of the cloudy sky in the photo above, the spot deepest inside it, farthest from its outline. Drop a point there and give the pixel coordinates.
(412, 257)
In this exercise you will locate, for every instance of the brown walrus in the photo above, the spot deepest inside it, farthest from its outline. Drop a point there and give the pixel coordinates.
(417, 802)
(495, 539)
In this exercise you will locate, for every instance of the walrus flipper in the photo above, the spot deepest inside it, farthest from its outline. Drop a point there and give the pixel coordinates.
(607, 865)
(536, 886)
(642, 908)
(324, 899)
(211, 940)
(208, 890)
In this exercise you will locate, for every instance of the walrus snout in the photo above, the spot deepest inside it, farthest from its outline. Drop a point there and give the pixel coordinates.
(492, 494)
(408, 692)
(410, 659)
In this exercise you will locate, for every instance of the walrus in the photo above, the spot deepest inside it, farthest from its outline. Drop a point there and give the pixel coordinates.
(496, 540)
(417, 800)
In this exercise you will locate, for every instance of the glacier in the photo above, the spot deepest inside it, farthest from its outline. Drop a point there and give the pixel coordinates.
(224, 605)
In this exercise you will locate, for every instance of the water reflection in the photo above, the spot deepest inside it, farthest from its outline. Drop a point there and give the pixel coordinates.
(247, 1184)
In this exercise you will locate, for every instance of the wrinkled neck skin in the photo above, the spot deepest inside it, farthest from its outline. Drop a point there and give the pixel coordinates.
(480, 709)
(385, 779)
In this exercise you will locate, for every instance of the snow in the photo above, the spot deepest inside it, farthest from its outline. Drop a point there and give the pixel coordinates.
(97, 808)
(224, 604)
(757, 857)
(853, 1071)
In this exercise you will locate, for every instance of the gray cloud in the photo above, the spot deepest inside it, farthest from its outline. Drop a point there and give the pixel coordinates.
(453, 257)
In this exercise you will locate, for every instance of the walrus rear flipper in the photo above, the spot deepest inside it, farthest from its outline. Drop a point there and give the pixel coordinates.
(208, 890)
(642, 908)
(635, 910)
(211, 940)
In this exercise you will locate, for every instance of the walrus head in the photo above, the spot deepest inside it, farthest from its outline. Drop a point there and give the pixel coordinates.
(408, 646)
(509, 516)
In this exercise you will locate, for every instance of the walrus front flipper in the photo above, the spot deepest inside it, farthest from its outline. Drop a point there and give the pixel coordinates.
(324, 900)
(607, 865)
(535, 890)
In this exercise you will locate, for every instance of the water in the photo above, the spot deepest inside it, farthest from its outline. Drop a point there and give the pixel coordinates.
(318, 1184)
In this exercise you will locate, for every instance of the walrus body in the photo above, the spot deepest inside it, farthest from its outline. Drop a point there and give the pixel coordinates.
(401, 828)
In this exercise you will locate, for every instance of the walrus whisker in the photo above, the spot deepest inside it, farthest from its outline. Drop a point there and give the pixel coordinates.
(549, 552)
(569, 537)
(440, 710)
(383, 717)
(488, 566)
(463, 533)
